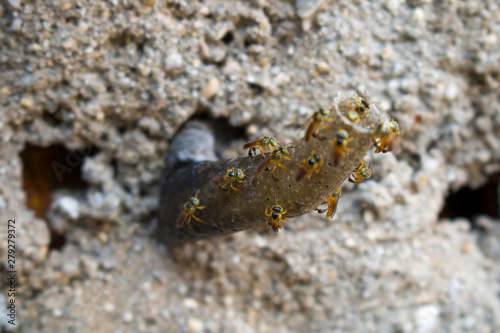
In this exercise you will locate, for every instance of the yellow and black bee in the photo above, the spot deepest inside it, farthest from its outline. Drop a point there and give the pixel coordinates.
(190, 208)
(264, 143)
(385, 137)
(232, 175)
(276, 218)
(310, 165)
(363, 172)
(340, 149)
(274, 159)
(317, 122)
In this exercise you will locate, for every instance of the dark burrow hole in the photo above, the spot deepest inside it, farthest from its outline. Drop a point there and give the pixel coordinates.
(53, 119)
(470, 203)
(256, 89)
(228, 37)
(248, 42)
(72, 19)
(223, 131)
(48, 169)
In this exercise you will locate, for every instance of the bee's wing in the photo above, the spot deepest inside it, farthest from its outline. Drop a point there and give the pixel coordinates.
(217, 180)
(395, 147)
(262, 165)
(250, 144)
(181, 219)
(336, 159)
(301, 175)
(272, 232)
(310, 131)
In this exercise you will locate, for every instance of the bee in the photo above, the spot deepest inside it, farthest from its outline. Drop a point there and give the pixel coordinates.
(276, 217)
(232, 175)
(332, 201)
(190, 208)
(264, 143)
(363, 105)
(353, 116)
(363, 172)
(317, 122)
(310, 165)
(385, 137)
(275, 157)
(340, 146)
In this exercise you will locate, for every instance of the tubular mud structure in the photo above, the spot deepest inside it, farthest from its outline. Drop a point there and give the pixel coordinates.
(295, 180)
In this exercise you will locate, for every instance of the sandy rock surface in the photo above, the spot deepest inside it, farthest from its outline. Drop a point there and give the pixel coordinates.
(112, 82)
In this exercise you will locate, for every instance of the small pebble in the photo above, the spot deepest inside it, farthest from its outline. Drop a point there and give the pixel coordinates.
(14, 3)
(16, 25)
(323, 68)
(211, 88)
(174, 60)
(128, 316)
(103, 237)
(195, 325)
(350, 243)
(69, 206)
(109, 307)
(305, 8)
(27, 102)
(190, 303)
(252, 129)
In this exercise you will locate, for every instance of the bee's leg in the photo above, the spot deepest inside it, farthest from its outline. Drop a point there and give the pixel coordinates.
(197, 219)
(229, 180)
(320, 137)
(189, 221)
(324, 126)
(234, 188)
(272, 173)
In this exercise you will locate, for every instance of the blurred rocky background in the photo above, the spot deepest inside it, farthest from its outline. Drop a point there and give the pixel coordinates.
(92, 92)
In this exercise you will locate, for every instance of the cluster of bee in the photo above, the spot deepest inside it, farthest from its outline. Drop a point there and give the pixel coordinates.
(384, 139)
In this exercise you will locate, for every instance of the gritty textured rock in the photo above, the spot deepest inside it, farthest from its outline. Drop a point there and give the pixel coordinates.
(125, 76)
